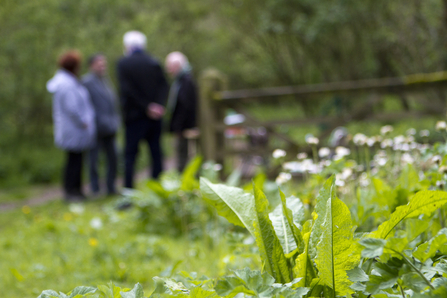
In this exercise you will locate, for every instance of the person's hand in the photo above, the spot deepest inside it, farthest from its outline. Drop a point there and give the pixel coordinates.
(192, 133)
(155, 111)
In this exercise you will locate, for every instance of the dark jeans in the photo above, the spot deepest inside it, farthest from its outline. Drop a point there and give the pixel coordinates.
(182, 152)
(108, 145)
(142, 129)
(73, 174)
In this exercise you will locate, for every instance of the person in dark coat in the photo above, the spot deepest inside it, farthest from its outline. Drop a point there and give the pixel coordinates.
(143, 92)
(182, 104)
(104, 101)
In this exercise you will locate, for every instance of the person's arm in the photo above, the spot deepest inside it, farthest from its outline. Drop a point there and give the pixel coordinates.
(163, 87)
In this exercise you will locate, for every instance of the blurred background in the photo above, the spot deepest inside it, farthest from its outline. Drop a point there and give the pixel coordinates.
(255, 44)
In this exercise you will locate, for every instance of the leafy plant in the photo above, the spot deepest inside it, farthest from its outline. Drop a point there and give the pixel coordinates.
(324, 256)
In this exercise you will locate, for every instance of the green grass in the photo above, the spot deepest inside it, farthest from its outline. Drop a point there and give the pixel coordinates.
(51, 247)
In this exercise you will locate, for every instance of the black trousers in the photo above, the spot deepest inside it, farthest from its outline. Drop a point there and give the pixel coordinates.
(107, 144)
(73, 173)
(137, 130)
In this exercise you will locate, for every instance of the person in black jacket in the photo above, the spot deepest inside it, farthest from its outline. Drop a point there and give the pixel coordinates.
(182, 103)
(143, 92)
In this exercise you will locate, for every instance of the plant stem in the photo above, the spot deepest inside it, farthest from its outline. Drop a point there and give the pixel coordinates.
(315, 153)
(401, 290)
(367, 160)
(415, 269)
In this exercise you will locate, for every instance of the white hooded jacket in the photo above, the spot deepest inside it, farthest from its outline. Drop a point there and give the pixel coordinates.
(73, 113)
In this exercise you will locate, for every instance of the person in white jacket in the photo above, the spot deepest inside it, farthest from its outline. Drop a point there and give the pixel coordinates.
(74, 121)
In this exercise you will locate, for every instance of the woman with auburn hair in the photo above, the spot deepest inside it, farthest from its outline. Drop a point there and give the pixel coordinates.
(74, 121)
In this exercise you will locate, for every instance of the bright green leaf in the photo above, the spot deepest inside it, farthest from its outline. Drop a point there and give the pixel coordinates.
(269, 245)
(283, 222)
(189, 181)
(428, 249)
(336, 251)
(136, 292)
(233, 203)
(110, 291)
(424, 202)
(304, 267)
(373, 247)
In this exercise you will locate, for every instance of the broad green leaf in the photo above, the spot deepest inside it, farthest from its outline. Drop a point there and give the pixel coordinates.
(255, 283)
(428, 249)
(51, 294)
(189, 181)
(416, 226)
(81, 291)
(160, 289)
(373, 247)
(110, 291)
(245, 281)
(304, 267)
(268, 243)
(251, 212)
(424, 202)
(171, 284)
(386, 275)
(441, 267)
(285, 228)
(440, 285)
(293, 209)
(259, 180)
(336, 249)
(396, 245)
(413, 281)
(156, 187)
(199, 292)
(320, 209)
(136, 292)
(231, 286)
(385, 249)
(237, 206)
(358, 276)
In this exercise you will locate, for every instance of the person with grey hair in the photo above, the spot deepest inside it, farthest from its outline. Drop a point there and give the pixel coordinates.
(182, 103)
(143, 92)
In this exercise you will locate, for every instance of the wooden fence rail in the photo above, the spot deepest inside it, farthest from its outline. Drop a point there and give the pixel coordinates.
(215, 100)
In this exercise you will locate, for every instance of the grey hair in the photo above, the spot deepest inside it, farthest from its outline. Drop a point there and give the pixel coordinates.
(134, 40)
(177, 57)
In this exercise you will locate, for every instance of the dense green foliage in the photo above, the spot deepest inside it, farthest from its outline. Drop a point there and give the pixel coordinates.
(126, 240)
(378, 229)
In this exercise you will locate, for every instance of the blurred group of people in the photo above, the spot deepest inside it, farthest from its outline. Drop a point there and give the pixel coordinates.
(87, 116)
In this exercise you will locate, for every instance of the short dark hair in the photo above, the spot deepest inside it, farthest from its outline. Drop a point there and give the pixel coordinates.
(70, 60)
(93, 58)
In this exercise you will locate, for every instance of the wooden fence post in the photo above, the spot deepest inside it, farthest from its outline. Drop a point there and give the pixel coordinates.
(212, 141)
